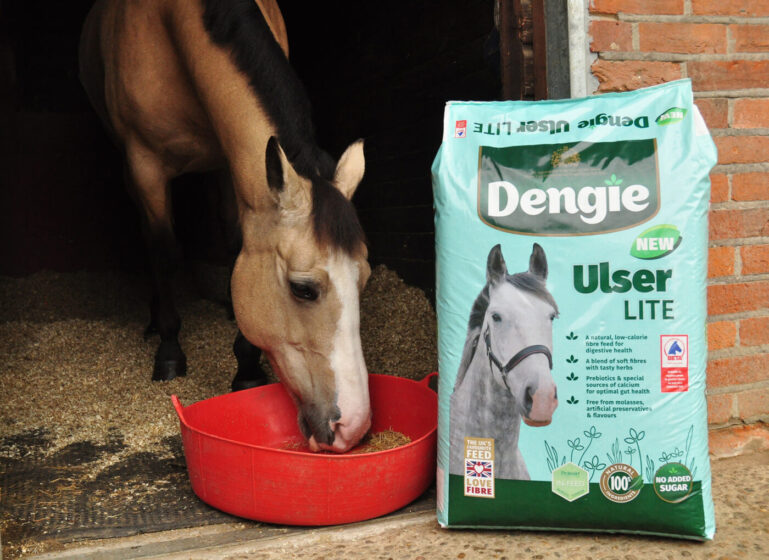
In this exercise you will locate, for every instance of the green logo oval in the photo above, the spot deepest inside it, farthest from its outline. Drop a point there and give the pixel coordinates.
(656, 242)
(671, 116)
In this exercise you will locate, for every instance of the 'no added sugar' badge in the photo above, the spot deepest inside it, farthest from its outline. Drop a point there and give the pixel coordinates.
(673, 482)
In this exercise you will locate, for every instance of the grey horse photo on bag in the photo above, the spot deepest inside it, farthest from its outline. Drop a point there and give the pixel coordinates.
(505, 373)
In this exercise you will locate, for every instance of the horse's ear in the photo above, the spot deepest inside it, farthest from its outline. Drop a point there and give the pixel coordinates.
(275, 164)
(496, 269)
(285, 184)
(349, 170)
(538, 262)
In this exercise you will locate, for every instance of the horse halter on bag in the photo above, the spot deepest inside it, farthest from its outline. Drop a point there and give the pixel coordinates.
(517, 359)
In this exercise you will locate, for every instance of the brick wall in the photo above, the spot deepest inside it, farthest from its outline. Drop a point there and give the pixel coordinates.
(723, 46)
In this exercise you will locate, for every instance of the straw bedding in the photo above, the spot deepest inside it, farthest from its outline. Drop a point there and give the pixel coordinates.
(76, 368)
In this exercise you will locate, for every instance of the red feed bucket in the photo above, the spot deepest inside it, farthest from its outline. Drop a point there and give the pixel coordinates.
(237, 462)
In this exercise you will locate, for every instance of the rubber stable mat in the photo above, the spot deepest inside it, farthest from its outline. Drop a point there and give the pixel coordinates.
(86, 492)
(83, 492)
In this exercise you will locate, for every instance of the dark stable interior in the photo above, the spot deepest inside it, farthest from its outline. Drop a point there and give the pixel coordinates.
(373, 70)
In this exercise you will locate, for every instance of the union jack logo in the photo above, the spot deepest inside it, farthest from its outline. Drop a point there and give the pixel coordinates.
(478, 469)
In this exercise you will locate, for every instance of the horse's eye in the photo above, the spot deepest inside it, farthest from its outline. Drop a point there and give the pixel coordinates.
(306, 292)
(496, 317)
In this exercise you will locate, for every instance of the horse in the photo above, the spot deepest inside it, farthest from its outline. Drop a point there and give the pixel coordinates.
(505, 369)
(194, 85)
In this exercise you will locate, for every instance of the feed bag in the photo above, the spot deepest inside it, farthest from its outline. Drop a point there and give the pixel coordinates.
(571, 249)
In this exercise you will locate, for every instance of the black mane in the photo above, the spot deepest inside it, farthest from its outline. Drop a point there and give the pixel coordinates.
(240, 26)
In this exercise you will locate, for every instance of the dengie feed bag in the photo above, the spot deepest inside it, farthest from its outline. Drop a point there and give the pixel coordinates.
(571, 248)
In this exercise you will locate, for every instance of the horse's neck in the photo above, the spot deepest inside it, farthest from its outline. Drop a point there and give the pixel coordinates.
(491, 404)
(240, 123)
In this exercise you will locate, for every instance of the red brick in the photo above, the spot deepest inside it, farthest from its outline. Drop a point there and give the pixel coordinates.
(750, 38)
(753, 404)
(632, 74)
(728, 74)
(739, 223)
(720, 408)
(738, 440)
(689, 38)
(611, 36)
(637, 6)
(739, 370)
(721, 334)
(720, 261)
(730, 7)
(750, 186)
(735, 298)
(715, 111)
(755, 259)
(754, 331)
(751, 113)
(742, 149)
(719, 187)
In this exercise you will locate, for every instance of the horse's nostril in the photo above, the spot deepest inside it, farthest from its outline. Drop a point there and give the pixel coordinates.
(304, 427)
(334, 425)
(325, 435)
(528, 400)
(312, 422)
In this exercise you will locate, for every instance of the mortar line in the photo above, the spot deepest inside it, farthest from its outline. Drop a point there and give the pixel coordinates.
(742, 280)
(733, 93)
(664, 56)
(752, 314)
(687, 18)
(739, 205)
(738, 352)
(733, 389)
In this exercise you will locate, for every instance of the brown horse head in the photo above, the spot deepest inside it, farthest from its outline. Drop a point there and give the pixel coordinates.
(295, 290)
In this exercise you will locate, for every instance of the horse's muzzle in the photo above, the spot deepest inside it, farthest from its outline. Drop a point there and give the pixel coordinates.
(536, 423)
(540, 406)
(345, 434)
(332, 430)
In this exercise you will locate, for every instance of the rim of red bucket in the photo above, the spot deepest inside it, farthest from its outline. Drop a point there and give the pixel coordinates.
(424, 382)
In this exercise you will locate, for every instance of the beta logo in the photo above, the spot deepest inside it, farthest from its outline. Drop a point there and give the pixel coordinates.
(674, 350)
(674, 363)
(460, 129)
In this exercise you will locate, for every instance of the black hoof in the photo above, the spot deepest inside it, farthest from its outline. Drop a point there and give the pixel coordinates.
(170, 362)
(253, 379)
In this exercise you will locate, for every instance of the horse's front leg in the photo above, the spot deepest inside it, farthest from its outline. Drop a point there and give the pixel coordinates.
(250, 373)
(149, 183)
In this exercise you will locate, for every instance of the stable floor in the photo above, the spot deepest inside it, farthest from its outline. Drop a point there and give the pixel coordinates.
(91, 463)
(742, 521)
(89, 446)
